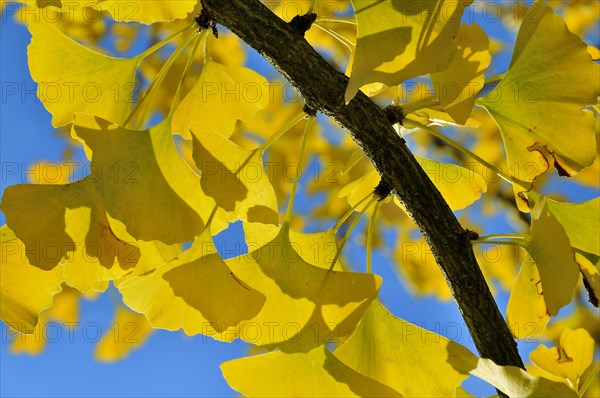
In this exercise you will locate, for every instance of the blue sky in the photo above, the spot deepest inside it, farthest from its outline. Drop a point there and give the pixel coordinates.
(170, 364)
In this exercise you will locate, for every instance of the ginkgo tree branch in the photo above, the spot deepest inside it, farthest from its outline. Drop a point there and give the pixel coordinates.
(323, 89)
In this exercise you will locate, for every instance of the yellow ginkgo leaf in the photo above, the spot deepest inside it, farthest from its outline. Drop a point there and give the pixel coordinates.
(71, 229)
(527, 314)
(538, 104)
(548, 245)
(511, 380)
(401, 355)
(25, 290)
(222, 96)
(400, 40)
(316, 373)
(570, 360)
(457, 86)
(318, 249)
(249, 195)
(580, 221)
(416, 263)
(195, 292)
(72, 78)
(129, 331)
(305, 305)
(147, 11)
(144, 183)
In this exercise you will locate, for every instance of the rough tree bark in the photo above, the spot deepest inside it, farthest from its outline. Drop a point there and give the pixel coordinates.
(323, 89)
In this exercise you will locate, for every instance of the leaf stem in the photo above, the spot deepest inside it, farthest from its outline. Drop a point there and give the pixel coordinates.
(185, 72)
(411, 123)
(507, 240)
(161, 43)
(349, 232)
(342, 220)
(151, 91)
(309, 124)
(370, 238)
(297, 119)
(336, 36)
(337, 20)
(415, 106)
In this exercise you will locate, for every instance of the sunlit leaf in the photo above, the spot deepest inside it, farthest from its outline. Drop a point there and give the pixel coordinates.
(306, 305)
(249, 195)
(400, 40)
(513, 381)
(401, 355)
(316, 373)
(457, 86)
(147, 11)
(538, 104)
(196, 291)
(144, 183)
(548, 246)
(25, 290)
(527, 314)
(318, 248)
(570, 360)
(222, 96)
(72, 78)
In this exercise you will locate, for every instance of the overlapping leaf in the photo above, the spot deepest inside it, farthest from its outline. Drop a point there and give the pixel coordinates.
(570, 360)
(25, 290)
(527, 313)
(401, 355)
(72, 78)
(154, 193)
(400, 40)
(306, 305)
(457, 86)
(221, 96)
(548, 246)
(249, 195)
(316, 373)
(538, 104)
(196, 291)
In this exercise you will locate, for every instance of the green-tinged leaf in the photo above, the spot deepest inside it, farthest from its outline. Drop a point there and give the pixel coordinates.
(457, 87)
(581, 222)
(249, 195)
(72, 78)
(316, 373)
(527, 314)
(399, 40)
(538, 104)
(305, 305)
(222, 96)
(195, 292)
(548, 246)
(144, 183)
(401, 355)
(25, 290)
